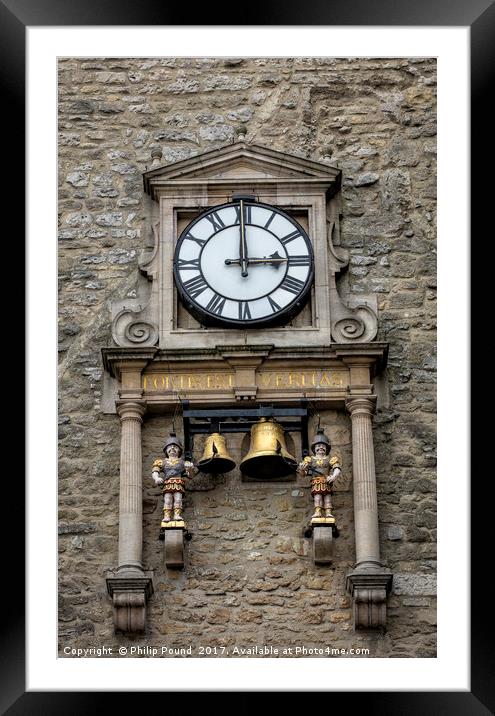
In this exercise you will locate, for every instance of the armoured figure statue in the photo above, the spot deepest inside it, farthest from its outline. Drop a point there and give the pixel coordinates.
(170, 473)
(324, 470)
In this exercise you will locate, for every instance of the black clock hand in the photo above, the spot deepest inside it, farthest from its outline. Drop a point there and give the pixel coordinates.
(242, 245)
(274, 260)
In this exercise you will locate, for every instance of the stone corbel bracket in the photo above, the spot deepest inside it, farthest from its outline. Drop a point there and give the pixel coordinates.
(129, 596)
(369, 591)
(132, 323)
(349, 324)
(174, 547)
(323, 544)
(323, 538)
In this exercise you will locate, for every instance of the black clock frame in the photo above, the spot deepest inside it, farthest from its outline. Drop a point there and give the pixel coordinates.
(207, 319)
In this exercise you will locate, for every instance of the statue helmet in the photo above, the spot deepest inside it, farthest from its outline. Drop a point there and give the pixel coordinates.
(320, 437)
(172, 440)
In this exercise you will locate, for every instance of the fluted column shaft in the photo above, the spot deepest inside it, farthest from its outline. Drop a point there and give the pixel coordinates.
(363, 462)
(131, 498)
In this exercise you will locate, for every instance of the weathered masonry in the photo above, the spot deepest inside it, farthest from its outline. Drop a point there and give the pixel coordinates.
(247, 260)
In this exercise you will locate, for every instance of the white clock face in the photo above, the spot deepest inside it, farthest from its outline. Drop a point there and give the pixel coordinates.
(243, 263)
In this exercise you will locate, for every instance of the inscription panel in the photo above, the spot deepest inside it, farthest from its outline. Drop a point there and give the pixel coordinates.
(153, 382)
(312, 379)
(275, 380)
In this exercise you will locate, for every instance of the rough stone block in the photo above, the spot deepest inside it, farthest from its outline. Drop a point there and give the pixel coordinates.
(414, 584)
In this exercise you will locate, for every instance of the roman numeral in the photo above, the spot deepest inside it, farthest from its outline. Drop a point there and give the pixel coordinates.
(216, 304)
(247, 213)
(185, 264)
(272, 216)
(215, 220)
(290, 237)
(275, 307)
(244, 312)
(302, 260)
(291, 284)
(195, 286)
(200, 242)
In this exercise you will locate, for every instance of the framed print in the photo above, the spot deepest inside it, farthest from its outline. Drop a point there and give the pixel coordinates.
(297, 159)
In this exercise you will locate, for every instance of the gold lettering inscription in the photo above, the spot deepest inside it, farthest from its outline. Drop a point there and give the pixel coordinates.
(266, 379)
(188, 381)
(278, 380)
(218, 381)
(303, 379)
(156, 382)
(194, 382)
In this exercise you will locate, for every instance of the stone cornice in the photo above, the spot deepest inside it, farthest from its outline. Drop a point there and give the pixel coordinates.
(363, 353)
(115, 358)
(366, 353)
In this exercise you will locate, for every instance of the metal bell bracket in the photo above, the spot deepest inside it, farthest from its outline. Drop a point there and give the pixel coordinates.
(218, 422)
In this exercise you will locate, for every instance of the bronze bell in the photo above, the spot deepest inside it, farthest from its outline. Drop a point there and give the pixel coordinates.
(268, 457)
(215, 457)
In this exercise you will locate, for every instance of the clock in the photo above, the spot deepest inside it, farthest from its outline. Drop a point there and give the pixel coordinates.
(244, 264)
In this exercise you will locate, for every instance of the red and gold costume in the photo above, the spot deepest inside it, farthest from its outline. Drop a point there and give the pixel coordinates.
(173, 468)
(169, 472)
(323, 465)
(323, 470)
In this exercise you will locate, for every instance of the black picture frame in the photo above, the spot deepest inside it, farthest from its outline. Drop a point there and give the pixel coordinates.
(15, 17)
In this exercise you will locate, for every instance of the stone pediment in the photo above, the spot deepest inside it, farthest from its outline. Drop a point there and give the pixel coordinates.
(242, 161)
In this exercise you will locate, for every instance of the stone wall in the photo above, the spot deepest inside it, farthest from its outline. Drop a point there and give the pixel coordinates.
(249, 578)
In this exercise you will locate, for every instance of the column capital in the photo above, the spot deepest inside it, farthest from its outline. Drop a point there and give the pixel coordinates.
(360, 404)
(131, 409)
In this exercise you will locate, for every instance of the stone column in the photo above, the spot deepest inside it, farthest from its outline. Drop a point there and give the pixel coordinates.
(363, 466)
(131, 489)
(369, 582)
(130, 587)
